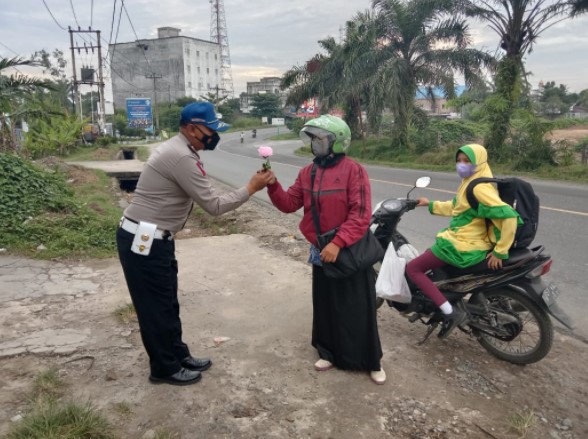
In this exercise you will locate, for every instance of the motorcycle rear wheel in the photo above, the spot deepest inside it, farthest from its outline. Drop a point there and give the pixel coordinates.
(531, 335)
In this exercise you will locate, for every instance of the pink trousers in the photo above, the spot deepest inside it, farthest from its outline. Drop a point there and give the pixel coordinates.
(416, 270)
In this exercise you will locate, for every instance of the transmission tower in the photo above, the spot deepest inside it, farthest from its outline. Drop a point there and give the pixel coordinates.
(218, 34)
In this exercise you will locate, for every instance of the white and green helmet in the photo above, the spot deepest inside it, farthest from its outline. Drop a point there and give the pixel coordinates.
(326, 134)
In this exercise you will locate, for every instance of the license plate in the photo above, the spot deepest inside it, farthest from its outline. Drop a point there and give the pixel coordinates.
(550, 294)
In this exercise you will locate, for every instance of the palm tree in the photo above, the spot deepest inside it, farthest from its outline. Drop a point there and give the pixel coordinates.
(386, 55)
(579, 7)
(15, 88)
(324, 77)
(420, 43)
(518, 23)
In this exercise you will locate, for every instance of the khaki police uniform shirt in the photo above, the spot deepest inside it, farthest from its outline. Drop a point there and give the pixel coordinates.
(172, 179)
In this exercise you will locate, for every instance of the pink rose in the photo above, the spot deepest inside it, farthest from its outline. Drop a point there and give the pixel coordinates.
(266, 152)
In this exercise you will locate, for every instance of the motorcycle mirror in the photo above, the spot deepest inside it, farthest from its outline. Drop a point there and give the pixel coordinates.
(423, 182)
(420, 183)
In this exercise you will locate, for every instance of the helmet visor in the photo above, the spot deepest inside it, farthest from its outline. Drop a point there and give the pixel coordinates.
(320, 141)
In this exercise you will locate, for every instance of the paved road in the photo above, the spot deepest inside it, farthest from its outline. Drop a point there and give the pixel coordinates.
(563, 223)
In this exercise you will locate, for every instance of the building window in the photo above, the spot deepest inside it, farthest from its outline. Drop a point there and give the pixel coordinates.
(208, 85)
(200, 85)
(207, 70)
(197, 54)
(187, 50)
(206, 55)
(189, 85)
(189, 68)
(216, 72)
(215, 56)
(198, 70)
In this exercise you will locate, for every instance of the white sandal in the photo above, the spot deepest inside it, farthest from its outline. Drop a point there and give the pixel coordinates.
(323, 365)
(378, 376)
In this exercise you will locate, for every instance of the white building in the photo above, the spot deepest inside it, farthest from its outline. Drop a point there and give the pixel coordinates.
(173, 65)
(270, 84)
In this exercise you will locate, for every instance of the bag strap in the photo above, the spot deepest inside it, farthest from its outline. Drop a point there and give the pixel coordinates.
(315, 217)
(472, 200)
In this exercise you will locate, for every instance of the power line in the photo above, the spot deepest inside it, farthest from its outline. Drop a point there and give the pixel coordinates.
(51, 13)
(1, 43)
(112, 23)
(136, 36)
(17, 54)
(74, 12)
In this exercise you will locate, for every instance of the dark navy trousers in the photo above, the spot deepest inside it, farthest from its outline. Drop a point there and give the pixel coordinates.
(153, 284)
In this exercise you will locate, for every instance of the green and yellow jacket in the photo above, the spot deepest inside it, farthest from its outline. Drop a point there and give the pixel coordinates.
(469, 236)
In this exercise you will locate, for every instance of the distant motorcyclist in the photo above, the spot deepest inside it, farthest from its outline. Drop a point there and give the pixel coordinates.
(242, 136)
(254, 133)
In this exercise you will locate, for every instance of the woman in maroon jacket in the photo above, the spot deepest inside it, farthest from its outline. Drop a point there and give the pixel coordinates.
(344, 329)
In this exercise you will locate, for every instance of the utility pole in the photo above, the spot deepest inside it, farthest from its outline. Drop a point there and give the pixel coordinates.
(154, 77)
(75, 80)
(217, 89)
(88, 80)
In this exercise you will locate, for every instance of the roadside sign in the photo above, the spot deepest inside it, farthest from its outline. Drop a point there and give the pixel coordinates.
(139, 113)
(278, 121)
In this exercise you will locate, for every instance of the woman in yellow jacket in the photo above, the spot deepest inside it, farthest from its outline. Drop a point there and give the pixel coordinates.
(469, 238)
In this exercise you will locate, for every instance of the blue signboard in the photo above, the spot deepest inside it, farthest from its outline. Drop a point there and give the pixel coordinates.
(139, 114)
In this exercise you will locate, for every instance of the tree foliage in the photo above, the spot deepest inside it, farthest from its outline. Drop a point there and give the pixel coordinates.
(16, 93)
(518, 25)
(266, 105)
(387, 54)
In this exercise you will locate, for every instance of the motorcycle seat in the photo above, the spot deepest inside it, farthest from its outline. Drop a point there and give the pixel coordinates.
(515, 257)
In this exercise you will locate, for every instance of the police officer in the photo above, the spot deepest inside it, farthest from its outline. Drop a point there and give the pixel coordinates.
(171, 181)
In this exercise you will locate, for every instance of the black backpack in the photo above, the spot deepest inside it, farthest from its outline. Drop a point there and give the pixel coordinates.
(520, 195)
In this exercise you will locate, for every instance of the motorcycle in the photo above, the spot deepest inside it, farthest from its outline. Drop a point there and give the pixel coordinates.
(254, 134)
(508, 310)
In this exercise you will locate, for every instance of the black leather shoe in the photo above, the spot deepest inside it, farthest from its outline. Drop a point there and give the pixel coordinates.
(451, 321)
(199, 364)
(182, 377)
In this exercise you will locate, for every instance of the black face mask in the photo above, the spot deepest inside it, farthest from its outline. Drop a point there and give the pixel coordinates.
(209, 142)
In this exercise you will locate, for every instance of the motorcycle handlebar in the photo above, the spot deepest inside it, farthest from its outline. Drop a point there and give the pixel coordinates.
(411, 204)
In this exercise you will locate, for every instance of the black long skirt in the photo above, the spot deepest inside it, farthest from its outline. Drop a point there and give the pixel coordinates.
(344, 326)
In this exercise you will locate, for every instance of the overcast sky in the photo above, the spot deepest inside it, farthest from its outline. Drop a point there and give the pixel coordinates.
(266, 37)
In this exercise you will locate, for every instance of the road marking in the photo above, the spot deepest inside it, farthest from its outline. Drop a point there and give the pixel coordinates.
(554, 209)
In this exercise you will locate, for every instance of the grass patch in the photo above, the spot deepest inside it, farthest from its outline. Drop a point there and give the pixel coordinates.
(68, 220)
(522, 423)
(48, 384)
(122, 408)
(208, 225)
(69, 421)
(49, 418)
(125, 313)
(286, 136)
(165, 434)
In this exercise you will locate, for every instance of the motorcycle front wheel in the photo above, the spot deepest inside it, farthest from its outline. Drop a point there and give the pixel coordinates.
(517, 329)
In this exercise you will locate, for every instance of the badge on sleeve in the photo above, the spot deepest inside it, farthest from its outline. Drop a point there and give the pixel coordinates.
(200, 166)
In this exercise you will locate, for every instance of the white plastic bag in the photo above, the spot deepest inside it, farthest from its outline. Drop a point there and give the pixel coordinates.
(407, 252)
(391, 283)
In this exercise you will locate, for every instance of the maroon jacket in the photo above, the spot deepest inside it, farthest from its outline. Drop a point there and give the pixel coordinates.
(342, 199)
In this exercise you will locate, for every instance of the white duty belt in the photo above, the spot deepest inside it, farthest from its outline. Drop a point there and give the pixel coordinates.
(132, 226)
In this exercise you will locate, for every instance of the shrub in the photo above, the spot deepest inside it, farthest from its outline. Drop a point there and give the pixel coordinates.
(26, 190)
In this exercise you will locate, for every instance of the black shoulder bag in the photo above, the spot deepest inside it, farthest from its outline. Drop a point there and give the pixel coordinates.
(358, 256)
